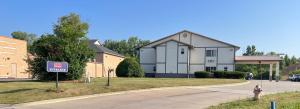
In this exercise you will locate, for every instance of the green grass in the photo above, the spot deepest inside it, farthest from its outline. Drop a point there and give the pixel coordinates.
(288, 100)
(28, 91)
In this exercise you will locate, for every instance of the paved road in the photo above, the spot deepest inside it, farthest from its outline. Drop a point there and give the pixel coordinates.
(179, 98)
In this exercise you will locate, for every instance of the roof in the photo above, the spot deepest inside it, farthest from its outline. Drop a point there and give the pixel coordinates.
(100, 49)
(194, 34)
(189, 45)
(258, 58)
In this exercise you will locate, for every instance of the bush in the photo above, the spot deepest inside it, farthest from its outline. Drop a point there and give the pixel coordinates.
(235, 75)
(219, 74)
(294, 72)
(201, 74)
(229, 74)
(265, 75)
(129, 67)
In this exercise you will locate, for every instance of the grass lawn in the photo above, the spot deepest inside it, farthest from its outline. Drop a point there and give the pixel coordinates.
(28, 91)
(288, 100)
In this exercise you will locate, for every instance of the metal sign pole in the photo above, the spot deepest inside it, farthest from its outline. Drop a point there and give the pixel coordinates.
(108, 77)
(57, 90)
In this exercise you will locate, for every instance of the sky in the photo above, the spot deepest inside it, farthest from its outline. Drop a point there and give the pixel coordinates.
(271, 25)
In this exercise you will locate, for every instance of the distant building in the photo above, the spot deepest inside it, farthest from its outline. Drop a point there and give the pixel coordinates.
(105, 59)
(13, 56)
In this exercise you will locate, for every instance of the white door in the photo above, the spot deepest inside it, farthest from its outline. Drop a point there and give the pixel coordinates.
(13, 72)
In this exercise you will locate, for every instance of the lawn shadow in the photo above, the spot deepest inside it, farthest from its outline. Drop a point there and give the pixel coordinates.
(15, 91)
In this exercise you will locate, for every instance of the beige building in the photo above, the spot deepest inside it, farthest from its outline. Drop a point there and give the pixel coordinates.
(105, 59)
(13, 55)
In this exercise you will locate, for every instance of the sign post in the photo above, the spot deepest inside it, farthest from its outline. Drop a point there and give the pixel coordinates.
(56, 67)
(108, 77)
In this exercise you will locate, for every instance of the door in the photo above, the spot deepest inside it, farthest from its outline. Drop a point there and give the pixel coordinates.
(13, 72)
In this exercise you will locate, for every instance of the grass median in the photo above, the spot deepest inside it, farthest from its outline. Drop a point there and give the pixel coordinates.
(28, 91)
(288, 100)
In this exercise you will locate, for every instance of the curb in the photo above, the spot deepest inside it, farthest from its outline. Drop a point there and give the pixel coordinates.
(120, 92)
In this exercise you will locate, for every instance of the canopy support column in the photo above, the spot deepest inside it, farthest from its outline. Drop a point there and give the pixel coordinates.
(277, 71)
(271, 72)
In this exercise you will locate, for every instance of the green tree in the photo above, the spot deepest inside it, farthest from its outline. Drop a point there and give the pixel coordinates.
(68, 43)
(293, 60)
(286, 60)
(125, 47)
(251, 51)
(28, 37)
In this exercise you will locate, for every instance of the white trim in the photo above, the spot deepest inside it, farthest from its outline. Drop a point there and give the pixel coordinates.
(7, 42)
(6, 53)
(8, 47)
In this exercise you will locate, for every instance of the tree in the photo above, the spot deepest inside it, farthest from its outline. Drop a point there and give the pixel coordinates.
(293, 60)
(28, 37)
(125, 47)
(286, 60)
(251, 51)
(68, 43)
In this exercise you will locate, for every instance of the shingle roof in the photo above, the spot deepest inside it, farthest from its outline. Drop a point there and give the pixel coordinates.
(101, 49)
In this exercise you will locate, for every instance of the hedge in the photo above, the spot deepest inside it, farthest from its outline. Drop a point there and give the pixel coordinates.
(201, 74)
(294, 72)
(265, 75)
(229, 74)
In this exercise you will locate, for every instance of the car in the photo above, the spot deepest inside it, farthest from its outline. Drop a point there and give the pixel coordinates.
(294, 77)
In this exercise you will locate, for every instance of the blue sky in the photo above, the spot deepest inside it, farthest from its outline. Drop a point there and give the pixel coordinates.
(271, 25)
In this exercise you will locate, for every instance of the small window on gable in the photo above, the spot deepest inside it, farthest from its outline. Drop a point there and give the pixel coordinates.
(182, 51)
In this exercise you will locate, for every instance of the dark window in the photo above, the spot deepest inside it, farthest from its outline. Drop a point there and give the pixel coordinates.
(182, 51)
(225, 68)
(154, 68)
(211, 53)
(209, 69)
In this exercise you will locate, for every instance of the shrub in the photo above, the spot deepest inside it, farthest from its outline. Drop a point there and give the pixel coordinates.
(201, 74)
(235, 75)
(229, 74)
(294, 72)
(218, 74)
(265, 75)
(129, 67)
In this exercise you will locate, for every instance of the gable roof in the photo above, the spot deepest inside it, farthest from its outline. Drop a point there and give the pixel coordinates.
(189, 45)
(194, 34)
(101, 49)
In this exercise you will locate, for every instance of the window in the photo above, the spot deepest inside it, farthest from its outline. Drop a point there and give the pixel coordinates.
(225, 68)
(182, 51)
(211, 53)
(209, 69)
(154, 68)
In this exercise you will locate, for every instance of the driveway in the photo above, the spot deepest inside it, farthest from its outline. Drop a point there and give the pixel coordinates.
(175, 98)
